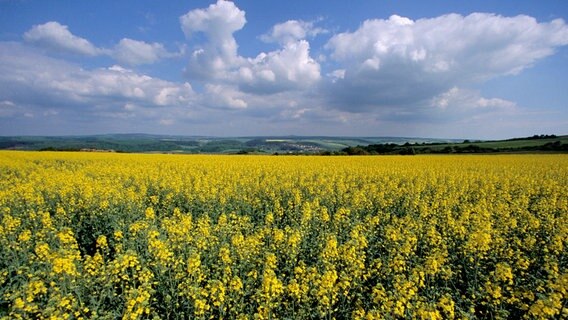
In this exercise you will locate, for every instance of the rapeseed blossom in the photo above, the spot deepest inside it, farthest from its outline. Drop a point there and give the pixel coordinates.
(86, 235)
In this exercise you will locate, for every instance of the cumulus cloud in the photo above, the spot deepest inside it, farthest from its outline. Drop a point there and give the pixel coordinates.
(216, 58)
(52, 83)
(8, 109)
(218, 22)
(134, 52)
(394, 74)
(457, 99)
(56, 36)
(42, 95)
(286, 69)
(224, 97)
(400, 62)
(291, 30)
(217, 61)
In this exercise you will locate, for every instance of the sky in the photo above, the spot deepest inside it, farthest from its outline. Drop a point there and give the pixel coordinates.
(433, 68)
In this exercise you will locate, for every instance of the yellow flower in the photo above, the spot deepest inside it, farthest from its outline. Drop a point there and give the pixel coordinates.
(200, 306)
(42, 250)
(447, 305)
(149, 213)
(25, 236)
(236, 284)
(225, 255)
(64, 265)
(193, 263)
(503, 272)
(118, 235)
(19, 303)
(271, 286)
(282, 237)
(102, 242)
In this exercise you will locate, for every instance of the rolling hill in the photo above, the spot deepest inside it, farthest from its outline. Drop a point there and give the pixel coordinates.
(148, 143)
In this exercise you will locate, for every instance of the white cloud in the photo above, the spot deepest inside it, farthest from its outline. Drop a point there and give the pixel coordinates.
(173, 95)
(218, 22)
(7, 108)
(218, 63)
(224, 97)
(336, 74)
(56, 36)
(28, 78)
(51, 96)
(286, 69)
(134, 52)
(462, 100)
(6, 104)
(392, 74)
(291, 30)
(496, 103)
(400, 62)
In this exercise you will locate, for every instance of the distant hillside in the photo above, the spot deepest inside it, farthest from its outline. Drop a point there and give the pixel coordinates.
(148, 143)
(536, 143)
(199, 144)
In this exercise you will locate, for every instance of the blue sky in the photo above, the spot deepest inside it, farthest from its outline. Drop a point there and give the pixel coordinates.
(454, 69)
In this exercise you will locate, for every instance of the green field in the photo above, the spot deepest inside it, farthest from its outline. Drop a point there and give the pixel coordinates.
(197, 144)
(279, 144)
(504, 144)
(535, 144)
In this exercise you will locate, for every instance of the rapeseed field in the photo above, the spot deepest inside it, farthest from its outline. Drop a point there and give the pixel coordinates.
(106, 236)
